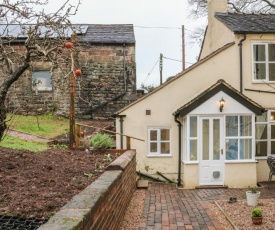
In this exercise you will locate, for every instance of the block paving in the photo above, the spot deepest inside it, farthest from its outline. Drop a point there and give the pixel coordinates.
(166, 207)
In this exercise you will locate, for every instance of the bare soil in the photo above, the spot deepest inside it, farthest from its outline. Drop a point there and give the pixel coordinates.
(39, 184)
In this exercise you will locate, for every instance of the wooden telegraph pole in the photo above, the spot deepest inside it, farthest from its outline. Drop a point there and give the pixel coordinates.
(160, 67)
(183, 48)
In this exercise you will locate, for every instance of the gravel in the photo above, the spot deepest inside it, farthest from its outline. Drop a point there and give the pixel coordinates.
(134, 211)
(240, 213)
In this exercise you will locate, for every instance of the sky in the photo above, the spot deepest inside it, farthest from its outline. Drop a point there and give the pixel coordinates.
(147, 16)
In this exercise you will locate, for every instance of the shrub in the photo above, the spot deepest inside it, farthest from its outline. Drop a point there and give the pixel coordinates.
(101, 141)
(256, 212)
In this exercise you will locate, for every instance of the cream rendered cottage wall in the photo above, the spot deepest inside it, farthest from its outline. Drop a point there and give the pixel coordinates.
(217, 35)
(186, 86)
(264, 99)
(165, 101)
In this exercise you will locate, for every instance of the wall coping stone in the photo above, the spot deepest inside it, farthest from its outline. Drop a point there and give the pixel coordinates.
(121, 162)
(76, 213)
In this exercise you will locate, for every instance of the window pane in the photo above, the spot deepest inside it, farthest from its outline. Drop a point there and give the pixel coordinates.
(153, 135)
(262, 118)
(216, 139)
(245, 125)
(259, 52)
(271, 52)
(205, 140)
(153, 147)
(246, 149)
(231, 126)
(259, 71)
(272, 131)
(272, 147)
(261, 148)
(164, 134)
(232, 149)
(193, 150)
(272, 116)
(261, 131)
(41, 80)
(271, 72)
(165, 147)
(193, 126)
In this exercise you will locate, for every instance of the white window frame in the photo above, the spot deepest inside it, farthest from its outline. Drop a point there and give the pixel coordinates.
(265, 43)
(269, 123)
(36, 81)
(239, 138)
(158, 153)
(188, 139)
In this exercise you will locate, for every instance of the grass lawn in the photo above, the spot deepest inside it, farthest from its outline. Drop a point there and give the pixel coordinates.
(17, 143)
(48, 126)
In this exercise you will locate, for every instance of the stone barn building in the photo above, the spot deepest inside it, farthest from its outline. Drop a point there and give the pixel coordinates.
(106, 57)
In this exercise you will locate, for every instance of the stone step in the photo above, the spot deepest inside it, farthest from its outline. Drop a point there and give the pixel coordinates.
(142, 184)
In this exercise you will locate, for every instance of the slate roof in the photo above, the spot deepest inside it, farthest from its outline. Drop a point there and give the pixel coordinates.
(241, 23)
(92, 33)
(109, 33)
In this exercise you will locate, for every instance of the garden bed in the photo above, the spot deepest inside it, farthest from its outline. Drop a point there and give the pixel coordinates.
(39, 184)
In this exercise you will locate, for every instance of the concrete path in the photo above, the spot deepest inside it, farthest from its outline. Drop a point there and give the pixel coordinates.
(167, 207)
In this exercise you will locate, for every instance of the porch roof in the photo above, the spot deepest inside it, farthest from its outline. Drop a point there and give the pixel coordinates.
(220, 85)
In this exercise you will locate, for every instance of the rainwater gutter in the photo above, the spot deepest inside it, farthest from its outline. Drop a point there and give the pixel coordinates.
(176, 115)
(124, 68)
(241, 62)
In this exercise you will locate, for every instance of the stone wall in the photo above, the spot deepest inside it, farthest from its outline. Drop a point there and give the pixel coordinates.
(102, 89)
(101, 205)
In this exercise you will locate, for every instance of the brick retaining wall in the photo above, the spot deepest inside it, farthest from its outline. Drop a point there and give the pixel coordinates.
(102, 204)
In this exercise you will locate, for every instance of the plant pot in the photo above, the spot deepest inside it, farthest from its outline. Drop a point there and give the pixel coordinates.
(257, 220)
(252, 198)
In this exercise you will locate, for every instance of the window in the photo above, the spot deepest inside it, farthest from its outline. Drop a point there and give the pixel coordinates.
(238, 137)
(265, 134)
(159, 141)
(191, 134)
(41, 81)
(264, 62)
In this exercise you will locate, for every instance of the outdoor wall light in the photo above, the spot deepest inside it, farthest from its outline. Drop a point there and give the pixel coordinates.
(222, 102)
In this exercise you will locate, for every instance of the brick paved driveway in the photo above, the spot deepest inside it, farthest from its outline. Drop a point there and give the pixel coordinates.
(167, 207)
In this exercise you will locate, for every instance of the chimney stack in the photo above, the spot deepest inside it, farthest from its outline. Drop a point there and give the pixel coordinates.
(216, 6)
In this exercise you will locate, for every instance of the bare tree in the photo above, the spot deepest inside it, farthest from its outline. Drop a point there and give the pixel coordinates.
(41, 35)
(198, 9)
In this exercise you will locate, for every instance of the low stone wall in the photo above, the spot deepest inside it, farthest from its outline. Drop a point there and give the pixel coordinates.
(102, 204)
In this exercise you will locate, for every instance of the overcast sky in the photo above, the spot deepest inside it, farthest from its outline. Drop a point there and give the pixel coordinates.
(150, 42)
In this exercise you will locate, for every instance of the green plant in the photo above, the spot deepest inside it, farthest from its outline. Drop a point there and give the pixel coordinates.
(51, 214)
(108, 158)
(253, 189)
(256, 212)
(89, 175)
(101, 141)
(78, 181)
(61, 146)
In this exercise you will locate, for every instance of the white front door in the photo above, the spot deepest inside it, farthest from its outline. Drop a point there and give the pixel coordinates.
(211, 151)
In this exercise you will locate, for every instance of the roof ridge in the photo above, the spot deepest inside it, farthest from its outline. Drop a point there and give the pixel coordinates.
(243, 13)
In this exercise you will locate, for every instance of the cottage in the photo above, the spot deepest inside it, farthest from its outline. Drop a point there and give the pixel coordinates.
(106, 57)
(214, 123)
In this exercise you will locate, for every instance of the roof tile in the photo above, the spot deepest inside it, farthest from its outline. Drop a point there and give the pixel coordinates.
(241, 23)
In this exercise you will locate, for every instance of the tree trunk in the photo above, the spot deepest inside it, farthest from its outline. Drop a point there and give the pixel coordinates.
(3, 114)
